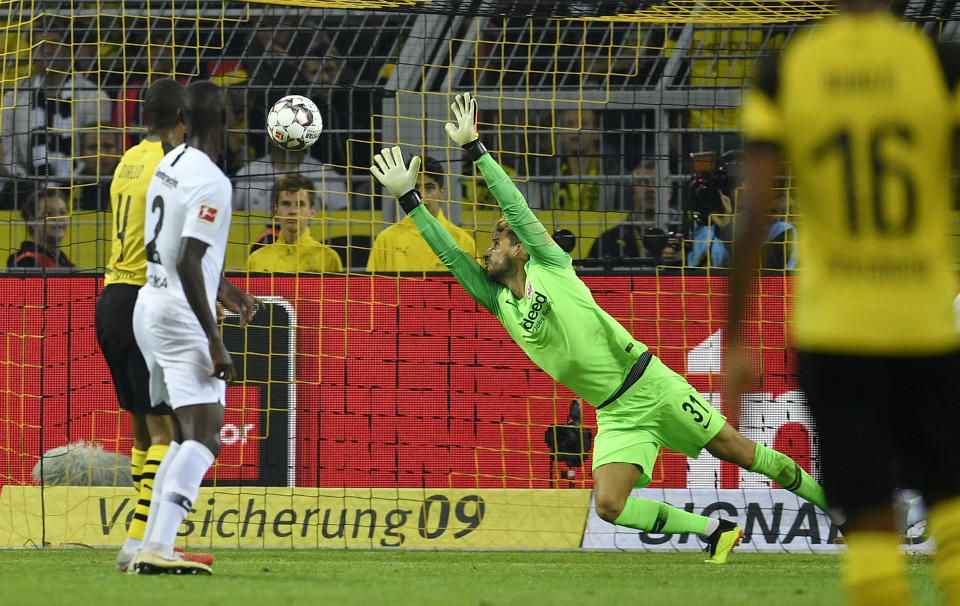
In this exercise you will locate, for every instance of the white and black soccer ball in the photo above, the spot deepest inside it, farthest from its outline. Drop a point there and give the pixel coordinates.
(294, 122)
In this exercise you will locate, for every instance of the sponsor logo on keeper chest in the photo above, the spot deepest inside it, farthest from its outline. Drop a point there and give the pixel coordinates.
(539, 309)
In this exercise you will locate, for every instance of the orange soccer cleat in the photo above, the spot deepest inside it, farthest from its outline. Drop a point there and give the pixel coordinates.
(190, 556)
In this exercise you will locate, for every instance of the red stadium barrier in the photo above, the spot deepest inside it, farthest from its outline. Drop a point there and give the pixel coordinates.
(398, 383)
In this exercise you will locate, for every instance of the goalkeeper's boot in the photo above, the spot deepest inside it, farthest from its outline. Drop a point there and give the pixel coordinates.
(148, 562)
(722, 541)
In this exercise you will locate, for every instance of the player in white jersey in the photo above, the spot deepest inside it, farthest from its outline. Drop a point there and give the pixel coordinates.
(186, 228)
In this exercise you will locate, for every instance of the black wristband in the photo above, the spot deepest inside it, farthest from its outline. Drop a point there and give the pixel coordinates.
(410, 200)
(476, 149)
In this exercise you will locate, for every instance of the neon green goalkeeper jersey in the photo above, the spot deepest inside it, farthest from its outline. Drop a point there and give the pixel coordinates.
(556, 322)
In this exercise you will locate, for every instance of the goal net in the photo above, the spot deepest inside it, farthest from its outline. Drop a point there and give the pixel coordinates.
(381, 406)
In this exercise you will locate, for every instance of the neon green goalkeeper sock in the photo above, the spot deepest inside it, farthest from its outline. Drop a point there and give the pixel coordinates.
(653, 516)
(786, 472)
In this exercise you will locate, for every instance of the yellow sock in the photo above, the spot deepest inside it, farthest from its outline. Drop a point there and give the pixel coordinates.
(876, 570)
(137, 457)
(944, 524)
(152, 457)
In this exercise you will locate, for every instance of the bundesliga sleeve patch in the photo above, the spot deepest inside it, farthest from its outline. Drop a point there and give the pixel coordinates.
(208, 214)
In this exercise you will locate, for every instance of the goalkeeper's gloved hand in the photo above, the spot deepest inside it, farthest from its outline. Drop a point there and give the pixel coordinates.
(465, 131)
(391, 172)
(465, 111)
(399, 179)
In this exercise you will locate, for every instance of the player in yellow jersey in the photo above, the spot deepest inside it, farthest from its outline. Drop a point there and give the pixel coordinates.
(294, 250)
(865, 110)
(126, 272)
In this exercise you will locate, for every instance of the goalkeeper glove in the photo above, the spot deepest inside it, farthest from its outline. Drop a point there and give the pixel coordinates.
(464, 133)
(398, 178)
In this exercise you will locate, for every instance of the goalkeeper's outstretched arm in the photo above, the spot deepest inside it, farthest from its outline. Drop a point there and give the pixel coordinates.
(399, 180)
(531, 232)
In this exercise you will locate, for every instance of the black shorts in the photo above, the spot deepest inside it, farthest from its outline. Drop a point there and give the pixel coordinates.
(884, 423)
(114, 323)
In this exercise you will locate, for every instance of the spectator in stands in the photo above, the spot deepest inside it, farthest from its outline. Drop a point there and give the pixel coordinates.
(400, 247)
(489, 64)
(97, 155)
(157, 60)
(294, 250)
(15, 62)
(625, 241)
(779, 249)
(581, 157)
(272, 41)
(347, 101)
(96, 54)
(254, 181)
(475, 190)
(10, 184)
(273, 67)
(709, 244)
(325, 65)
(45, 213)
(709, 240)
(40, 117)
(237, 152)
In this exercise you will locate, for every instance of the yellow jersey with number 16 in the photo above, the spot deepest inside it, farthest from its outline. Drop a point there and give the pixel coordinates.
(128, 199)
(863, 109)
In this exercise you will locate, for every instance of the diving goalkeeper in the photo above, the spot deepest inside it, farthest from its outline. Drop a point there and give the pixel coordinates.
(530, 285)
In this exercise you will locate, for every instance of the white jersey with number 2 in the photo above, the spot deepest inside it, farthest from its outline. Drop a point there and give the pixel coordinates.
(189, 197)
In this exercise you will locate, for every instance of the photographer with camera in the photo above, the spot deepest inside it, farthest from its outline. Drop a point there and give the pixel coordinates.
(569, 444)
(708, 216)
(708, 211)
(636, 240)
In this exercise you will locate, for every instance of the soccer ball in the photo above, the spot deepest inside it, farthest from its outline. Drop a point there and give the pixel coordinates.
(294, 122)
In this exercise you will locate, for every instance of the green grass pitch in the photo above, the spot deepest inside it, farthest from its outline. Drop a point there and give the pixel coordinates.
(281, 577)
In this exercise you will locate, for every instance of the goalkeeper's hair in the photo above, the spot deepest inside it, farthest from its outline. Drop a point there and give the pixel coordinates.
(162, 104)
(502, 227)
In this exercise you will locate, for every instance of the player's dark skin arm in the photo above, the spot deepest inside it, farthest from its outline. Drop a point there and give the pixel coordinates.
(241, 303)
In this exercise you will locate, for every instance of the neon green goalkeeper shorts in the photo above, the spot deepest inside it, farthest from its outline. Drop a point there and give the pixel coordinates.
(661, 409)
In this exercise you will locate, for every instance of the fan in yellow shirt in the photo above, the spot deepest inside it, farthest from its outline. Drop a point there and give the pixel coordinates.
(295, 250)
(401, 248)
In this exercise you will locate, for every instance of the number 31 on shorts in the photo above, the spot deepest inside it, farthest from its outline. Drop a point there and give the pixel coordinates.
(701, 414)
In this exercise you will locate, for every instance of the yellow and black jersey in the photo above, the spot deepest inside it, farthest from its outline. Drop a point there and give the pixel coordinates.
(864, 110)
(128, 199)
